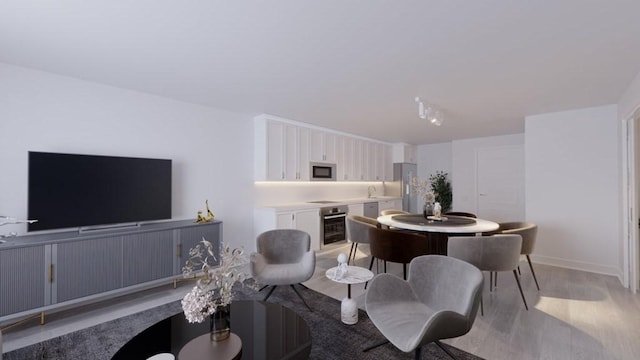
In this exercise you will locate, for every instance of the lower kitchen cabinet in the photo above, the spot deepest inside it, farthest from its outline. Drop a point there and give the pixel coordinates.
(307, 220)
(392, 204)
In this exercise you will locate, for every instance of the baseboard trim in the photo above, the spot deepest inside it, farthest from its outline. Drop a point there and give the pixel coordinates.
(579, 265)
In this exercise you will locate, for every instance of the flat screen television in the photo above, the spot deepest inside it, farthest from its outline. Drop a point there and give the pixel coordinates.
(72, 190)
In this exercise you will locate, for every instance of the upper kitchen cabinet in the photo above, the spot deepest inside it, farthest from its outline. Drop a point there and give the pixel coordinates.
(322, 146)
(284, 150)
(281, 150)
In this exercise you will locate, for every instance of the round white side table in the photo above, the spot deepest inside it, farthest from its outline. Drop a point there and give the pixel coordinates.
(354, 275)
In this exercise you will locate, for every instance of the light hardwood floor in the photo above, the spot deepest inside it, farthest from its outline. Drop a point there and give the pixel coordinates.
(576, 315)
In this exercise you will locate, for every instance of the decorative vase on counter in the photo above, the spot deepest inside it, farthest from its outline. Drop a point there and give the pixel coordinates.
(437, 210)
(428, 209)
(220, 324)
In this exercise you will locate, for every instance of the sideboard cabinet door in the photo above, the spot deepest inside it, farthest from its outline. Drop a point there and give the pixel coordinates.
(23, 277)
(147, 257)
(189, 237)
(88, 267)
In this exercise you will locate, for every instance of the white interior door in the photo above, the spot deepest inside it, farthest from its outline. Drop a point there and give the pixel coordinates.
(500, 183)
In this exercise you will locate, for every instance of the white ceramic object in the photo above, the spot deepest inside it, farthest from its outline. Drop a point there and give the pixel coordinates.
(349, 311)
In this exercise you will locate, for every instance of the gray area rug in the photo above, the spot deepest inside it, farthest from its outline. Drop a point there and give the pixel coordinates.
(331, 339)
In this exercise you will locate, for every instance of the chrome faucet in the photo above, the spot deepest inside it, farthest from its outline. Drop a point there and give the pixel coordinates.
(370, 190)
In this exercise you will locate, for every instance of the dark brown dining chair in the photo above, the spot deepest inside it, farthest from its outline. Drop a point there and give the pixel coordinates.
(461, 213)
(396, 246)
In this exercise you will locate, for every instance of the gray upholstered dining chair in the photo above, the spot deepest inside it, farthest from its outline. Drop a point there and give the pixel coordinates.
(489, 253)
(438, 301)
(358, 232)
(284, 257)
(528, 231)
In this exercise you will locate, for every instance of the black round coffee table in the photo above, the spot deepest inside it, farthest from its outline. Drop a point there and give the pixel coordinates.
(268, 331)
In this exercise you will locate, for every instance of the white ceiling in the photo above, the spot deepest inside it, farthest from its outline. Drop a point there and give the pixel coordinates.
(351, 65)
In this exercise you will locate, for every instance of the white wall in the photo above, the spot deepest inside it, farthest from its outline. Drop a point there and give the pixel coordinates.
(463, 155)
(433, 158)
(573, 186)
(212, 150)
(630, 100)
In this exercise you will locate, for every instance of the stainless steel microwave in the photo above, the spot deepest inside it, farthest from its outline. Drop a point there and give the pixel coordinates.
(322, 172)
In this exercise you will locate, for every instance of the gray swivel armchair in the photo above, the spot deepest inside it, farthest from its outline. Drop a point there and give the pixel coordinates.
(528, 231)
(284, 257)
(489, 253)
(358, 232)
(438, 301)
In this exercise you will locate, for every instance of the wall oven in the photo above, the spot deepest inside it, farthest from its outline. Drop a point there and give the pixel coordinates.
(333, 224)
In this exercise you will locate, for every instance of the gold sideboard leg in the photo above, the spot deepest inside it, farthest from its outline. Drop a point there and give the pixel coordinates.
(42, 318)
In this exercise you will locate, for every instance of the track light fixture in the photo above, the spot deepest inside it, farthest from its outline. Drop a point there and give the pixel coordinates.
(430, 113)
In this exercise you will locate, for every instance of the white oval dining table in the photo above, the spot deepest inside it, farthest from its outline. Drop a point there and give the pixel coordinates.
(480, 225)
(436, 232)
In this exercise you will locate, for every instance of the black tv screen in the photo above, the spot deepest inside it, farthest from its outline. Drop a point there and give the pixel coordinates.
(70, 190)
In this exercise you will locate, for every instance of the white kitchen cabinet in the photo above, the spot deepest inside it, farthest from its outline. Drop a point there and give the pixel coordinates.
(296, 153)
(357, 158)
(388, 162)
(275, 144)
(281, 151)
(389, 204)
(307, 220)
(344, 159)
(356, 209)
(322, 146)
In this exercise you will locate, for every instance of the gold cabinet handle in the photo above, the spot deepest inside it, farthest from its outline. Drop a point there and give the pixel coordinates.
(51, 273)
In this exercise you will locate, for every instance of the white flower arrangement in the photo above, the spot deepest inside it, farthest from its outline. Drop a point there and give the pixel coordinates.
(201, 301)
(423, 188)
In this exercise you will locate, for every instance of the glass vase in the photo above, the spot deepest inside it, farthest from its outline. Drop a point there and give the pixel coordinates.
(427, 210)
(220, 324)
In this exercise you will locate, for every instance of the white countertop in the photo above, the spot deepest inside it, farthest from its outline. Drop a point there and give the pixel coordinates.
(307, 205)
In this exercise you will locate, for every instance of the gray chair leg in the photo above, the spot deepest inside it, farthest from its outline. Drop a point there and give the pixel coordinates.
(370, 267)
(354, 249)
(481, 306)
(383, 342)
(441, 345)
(515, 273)
(270, 292)
(533, 272)
(301, 298)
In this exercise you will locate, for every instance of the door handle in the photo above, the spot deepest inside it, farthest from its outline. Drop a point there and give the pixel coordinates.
(482, 194)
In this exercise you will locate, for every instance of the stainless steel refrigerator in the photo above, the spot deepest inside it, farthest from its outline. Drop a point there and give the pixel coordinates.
(401, 186)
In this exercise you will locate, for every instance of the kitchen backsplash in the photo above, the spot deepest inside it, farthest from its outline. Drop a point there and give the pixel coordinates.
(276, 193)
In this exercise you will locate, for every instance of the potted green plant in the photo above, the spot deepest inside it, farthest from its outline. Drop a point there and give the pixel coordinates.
(441, 187)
